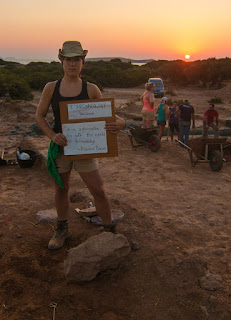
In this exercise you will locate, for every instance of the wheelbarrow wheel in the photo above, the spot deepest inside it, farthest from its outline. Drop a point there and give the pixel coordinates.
(215, 160)
(154, 143)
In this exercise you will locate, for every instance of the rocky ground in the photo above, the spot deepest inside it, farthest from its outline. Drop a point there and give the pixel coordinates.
(177, 220)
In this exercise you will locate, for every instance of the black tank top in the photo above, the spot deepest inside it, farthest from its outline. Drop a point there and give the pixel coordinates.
(56, 98)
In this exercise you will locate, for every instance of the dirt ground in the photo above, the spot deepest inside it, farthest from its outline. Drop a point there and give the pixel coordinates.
(177, 220)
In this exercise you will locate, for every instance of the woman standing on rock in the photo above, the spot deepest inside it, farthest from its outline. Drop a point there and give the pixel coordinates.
(72, 87)
(148, 101)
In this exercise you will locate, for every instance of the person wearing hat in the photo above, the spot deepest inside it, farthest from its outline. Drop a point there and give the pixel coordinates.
(148, 101)
(208, 121)
(72, 87)
(186, 115)
(162, 114)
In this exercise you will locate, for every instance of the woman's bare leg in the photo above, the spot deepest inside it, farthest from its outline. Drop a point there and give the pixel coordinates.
(161, 131)
(62, 197)
(149, 123)
(95, 185)
(144, 123)
(62, 207)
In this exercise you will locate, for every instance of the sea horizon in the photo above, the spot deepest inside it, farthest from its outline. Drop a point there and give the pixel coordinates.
(29, 60)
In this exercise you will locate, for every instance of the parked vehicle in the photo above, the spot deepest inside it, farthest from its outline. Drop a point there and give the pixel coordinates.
(159, 91)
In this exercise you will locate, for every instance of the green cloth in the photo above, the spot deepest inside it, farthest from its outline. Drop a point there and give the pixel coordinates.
(53, 151)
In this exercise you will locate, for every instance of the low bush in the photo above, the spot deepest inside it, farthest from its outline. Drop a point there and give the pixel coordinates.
(15, 87)
(170, 92)
(216, 100)
(20, 90)
(178, 102)
(19, 80)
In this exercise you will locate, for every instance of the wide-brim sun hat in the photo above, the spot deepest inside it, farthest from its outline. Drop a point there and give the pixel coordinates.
(72, 49)
(164, 99)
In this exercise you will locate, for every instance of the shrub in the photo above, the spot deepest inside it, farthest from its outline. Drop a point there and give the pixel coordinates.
(180, 102)
(117, 74)
(170, 102)
(170, 92)
(216, 100)
(20, 90)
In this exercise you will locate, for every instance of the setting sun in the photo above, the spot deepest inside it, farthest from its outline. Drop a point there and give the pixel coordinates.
(187, 56)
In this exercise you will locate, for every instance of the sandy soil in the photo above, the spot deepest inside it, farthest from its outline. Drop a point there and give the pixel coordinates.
(177, 219)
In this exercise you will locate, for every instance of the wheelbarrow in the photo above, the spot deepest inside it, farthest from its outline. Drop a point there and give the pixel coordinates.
(206, 151)
(144, 136)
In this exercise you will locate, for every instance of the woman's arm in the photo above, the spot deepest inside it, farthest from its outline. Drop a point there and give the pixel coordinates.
(115, 127)
(95, 93)
(152, 100)
(157, 109)
(41, 112)
(166, 110)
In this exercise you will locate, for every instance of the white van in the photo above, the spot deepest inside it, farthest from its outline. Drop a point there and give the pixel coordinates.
(159, 91)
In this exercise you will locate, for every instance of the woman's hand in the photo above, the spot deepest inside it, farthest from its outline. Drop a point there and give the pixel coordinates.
(59, 139)
(115, 127)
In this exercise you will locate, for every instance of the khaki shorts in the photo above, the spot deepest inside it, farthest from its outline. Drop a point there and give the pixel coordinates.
(86, 165)
(148, 115)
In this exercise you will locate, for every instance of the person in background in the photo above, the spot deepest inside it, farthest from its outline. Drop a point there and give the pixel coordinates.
(148, 102)
(208, 121)
(173, 120)
(162, 115)
(186, 115)
(71, 87)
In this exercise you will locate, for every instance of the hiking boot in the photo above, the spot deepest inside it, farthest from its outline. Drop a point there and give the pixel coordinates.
(61, 234)
(110, 228)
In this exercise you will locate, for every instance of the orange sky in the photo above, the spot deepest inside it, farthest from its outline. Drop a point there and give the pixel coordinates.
(107, 28)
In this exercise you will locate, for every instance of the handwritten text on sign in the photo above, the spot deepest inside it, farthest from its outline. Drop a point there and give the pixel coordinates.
(87, 110)
(85, 138)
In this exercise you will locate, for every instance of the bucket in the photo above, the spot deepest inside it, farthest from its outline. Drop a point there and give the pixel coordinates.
(27, 163)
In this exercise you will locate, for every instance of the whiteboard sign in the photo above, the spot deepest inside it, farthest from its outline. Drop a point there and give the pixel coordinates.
(83, 123)
(89, 110)
(85, 138)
